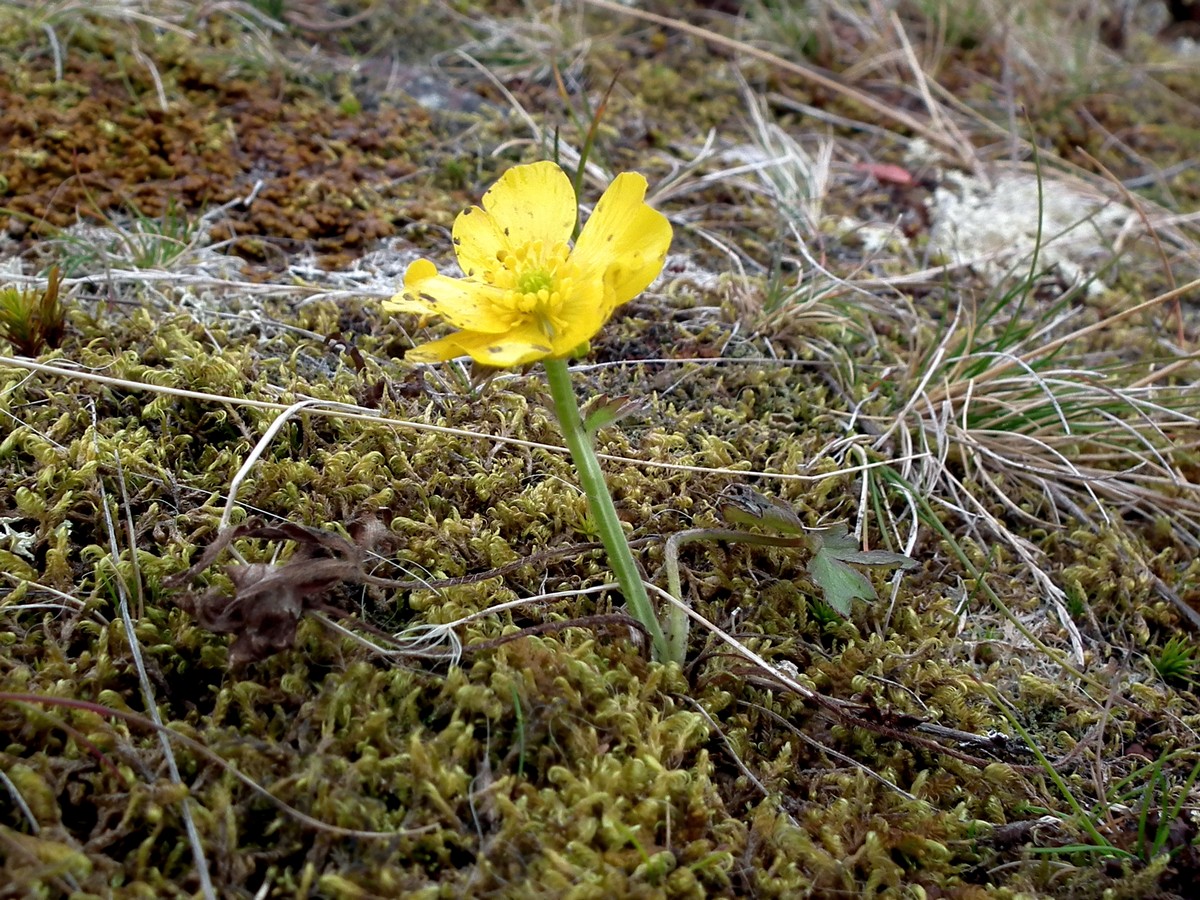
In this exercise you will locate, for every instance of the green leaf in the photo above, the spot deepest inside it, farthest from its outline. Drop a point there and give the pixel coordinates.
(842, 545)
(840, 584)
(603, 410)
(742, 506)
(834, 547)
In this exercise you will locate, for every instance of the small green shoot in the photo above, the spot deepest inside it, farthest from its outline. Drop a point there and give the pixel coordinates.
(519, 716)
(1099, 845)
(602, 410)
(1075, 603)
(148, 242)
(1176, 661)
(32, 319)
(1161, 812)
(825, 615)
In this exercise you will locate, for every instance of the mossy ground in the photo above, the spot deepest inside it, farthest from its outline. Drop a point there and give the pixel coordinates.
(557, 761)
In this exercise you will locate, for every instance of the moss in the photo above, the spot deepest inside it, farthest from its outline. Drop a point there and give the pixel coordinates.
(323, 177)
(546, 764)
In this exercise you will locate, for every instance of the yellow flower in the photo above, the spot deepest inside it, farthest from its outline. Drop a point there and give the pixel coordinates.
(527, 294)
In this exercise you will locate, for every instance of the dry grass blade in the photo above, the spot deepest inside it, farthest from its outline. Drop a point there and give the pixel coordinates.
(823, 79)
(193, 834)
(1014, 435)
(1071, 431)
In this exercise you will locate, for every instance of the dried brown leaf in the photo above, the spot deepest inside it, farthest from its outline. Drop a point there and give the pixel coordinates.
(269, 599)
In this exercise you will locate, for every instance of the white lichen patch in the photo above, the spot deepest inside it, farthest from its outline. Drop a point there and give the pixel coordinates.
(683, 269)
(875, 238)
(996, 227)
(17, 541)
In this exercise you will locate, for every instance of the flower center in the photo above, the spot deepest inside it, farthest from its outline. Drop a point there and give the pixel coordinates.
(537, 279)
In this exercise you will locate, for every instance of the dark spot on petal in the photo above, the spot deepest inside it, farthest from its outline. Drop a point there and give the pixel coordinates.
(506, 232)
(456, 241)
(468, 211)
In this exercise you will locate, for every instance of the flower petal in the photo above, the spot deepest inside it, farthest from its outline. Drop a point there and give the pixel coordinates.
(529, 203)
(624, 241)
(437, 351)
(521, 345)
(584, 311)
(461, 302)
(479, 242)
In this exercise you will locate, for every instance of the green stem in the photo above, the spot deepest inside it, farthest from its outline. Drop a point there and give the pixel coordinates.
(677, 618)
(600, 505)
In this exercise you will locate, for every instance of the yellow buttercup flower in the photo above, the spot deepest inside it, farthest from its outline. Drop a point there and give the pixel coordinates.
(527, 294)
